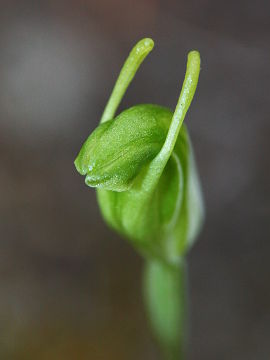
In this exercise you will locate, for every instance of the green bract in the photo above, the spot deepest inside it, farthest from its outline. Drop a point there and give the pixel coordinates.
(142, 164)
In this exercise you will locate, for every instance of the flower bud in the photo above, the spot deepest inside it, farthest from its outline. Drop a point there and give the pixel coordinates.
(142, 164)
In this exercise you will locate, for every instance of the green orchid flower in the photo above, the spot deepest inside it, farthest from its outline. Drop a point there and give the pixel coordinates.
(142, 164)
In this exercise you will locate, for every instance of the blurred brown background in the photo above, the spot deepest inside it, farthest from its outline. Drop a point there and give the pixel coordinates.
(69, 287)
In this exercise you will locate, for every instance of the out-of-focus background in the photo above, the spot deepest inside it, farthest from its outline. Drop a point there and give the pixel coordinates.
(69, 287)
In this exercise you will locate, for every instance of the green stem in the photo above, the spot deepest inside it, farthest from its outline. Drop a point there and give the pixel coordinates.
(166, 304)
(129, 69)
